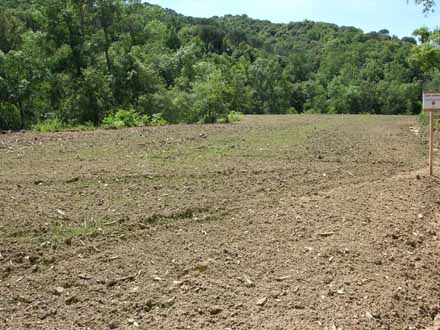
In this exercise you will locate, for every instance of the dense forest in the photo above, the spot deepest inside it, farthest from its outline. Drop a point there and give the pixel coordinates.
(83, 61)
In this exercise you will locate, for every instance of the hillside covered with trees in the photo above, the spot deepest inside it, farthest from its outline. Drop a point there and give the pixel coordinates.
(81, 61)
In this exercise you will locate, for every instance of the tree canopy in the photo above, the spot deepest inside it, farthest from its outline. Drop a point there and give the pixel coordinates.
(81, 61)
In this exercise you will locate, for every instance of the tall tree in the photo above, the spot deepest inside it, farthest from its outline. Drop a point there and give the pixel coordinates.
(423, 34)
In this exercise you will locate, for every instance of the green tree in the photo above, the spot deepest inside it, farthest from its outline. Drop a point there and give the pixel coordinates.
(81, 60)
(426, 57)
(210, 95)
(423, 34)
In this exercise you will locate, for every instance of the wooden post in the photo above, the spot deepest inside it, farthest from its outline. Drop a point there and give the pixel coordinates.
(431, 141)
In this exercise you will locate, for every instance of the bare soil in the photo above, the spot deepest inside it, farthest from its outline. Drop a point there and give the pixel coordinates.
(290, 222)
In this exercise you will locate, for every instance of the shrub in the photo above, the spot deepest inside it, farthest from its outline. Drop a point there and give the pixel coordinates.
(108, 121)
(146, 120)
(129, 118)
(9, 116)
(158, 120)
(292, 111)
(234, 116)
(231, 117)
(49, 125)
(123, 118)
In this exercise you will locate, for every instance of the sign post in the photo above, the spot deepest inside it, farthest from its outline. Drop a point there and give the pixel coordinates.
(431, 141)
(431, 104)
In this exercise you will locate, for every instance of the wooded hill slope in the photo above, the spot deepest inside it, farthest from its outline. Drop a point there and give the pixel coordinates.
(82, 60)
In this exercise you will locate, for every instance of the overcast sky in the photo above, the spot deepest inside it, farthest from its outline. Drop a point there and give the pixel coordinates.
(370, 15)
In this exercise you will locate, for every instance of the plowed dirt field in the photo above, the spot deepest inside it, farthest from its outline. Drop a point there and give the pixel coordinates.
(289, 222)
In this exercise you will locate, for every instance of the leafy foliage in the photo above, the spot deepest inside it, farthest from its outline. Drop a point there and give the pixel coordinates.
(56, 125)
(130, 118)
(234, 116)
(49, 125)
(122, 118)
(157, 120)
(9, 116)
(82, 61)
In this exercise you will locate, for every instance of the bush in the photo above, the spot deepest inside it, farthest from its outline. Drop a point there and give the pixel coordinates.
(292, 111)
(234, 116)
(123, 118)
(49, 125)
(157, 120)
(9, 116)
(146, 120)
(129, 118)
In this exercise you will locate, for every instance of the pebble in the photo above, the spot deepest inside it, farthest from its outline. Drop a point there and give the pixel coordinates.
(58, 291)
(113, 325)
(248, 282)
(262, 301)
(134, 290)
(215, 310)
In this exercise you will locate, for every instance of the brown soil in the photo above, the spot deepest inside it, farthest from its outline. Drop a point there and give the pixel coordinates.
(294, 222)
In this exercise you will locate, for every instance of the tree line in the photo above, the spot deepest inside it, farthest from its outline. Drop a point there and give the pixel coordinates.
(83, 61)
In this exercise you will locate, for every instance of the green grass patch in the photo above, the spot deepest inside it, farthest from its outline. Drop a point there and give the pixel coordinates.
(60, 232)
(49, 125)
(56, 125)
(255, 144)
